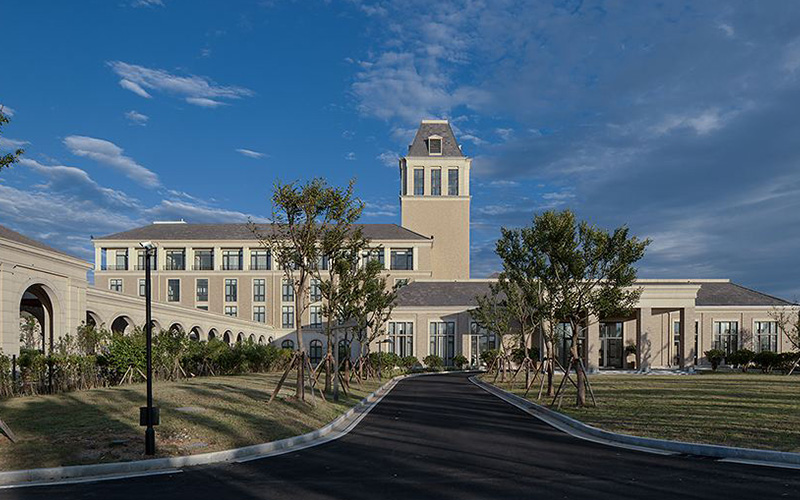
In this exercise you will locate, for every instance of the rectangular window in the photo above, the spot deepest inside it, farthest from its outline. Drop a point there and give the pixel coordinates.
(260, 260)
(173, 290)
(315, 290)
(443, 340)
(232, 259)
(316, 316)
(676, 343)
(287, 316)
(404, 184)
(140, 259)
(401, 335)
(766, 336)
(436, 181)
(726, 336)
(402, 259)
(323, 262)
(115, 285)
(419, 181)
(203, 308)
(121, 260)
(232, 311)
(287, 291)
(231, 290)
(175, 260)
(202, 290)
(259, 314)
(452, 182)
(259, 290)
(434, 146)
(373, 254)
(204, 260)
(142, 288)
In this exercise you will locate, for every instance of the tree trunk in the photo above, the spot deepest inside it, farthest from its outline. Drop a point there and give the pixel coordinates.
(300, 390)
(576, 363)
(328, 359)
(336, 362)
(550, 366)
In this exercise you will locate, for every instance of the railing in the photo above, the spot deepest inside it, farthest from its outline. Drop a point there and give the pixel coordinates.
(203, 267)
(114, 267)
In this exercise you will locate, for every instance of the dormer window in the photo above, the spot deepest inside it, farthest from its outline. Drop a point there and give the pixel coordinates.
(434, 145)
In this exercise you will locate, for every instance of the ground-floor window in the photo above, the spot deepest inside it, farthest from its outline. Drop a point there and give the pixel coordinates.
(726, 336)
(315, 352)
(344, 350)
(287, 344)
(611, 345)
(481, 340)
(676, 343)
(562, 343)
(401, 335)
(766, 336)
(443, 340)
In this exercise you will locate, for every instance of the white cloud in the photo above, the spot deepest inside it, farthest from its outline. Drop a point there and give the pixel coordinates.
(147, 3)
(351, 156)
(197, 90)
(388, 159)
(112, 155)
(727, 29)
(505, 133)
(250, 153)
(379, 209)
(7, 110)
(702, 124)
(193, 212)
(503, 184)
(7, 143)
(472, 138)
(136, 117)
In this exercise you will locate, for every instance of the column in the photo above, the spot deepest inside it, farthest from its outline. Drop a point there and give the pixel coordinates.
(687, 317)
(649, 337)
(592, 344)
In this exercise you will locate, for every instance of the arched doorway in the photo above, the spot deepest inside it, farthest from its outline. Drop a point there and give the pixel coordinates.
(261, 340)
(37, 316)
(123, 325)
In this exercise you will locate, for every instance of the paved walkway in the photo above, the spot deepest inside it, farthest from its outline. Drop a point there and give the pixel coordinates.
(441, 437)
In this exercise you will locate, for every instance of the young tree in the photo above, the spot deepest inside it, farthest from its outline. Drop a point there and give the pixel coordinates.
(583, 271)
(374, 307)
(493, 315)
(303, 215)
(7, 159)
(788, 321)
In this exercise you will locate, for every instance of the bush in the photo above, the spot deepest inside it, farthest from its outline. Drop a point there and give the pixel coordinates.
(489, 356)
(630, 349)
(715, 357)
(741, 358)
(786, 360)
(409, 363)
(767, 361)
(460, 361)
(518, 354)
(433, 362)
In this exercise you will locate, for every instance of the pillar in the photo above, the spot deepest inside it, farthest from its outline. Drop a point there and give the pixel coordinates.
(687, 317)
(593, 344)
(649, 337)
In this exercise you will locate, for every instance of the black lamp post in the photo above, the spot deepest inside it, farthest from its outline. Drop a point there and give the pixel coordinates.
(148, 415)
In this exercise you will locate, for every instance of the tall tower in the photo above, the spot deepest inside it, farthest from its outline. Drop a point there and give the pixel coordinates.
(434, 196)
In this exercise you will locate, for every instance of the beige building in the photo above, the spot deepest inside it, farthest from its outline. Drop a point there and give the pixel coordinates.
(216, 280)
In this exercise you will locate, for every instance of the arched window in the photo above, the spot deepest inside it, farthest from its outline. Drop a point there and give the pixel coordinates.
(287, 344)
(261, 340)
(315, 352)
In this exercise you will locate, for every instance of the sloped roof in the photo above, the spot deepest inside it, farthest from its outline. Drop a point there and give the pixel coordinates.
(435, 127)
(240, 231)
(441, 293)
(731, 294)
(8, 234)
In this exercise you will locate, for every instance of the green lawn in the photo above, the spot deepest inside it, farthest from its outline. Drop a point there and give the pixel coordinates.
(748, 410)
(101, 425)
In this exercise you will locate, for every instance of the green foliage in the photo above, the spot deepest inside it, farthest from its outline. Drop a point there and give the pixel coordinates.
(518, 354)
(433, 362)
(460, 361)
(489, 356)
(90, 337)
(409, 363)
(384, 360)
(715, 357)
(630, 348)
(7, 159)
(741, 358)
(767, 361)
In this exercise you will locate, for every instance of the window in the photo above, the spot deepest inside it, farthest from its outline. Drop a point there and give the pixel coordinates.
(401, 335)
(142, 288)
(232, 311)
(443, 339)
(260, 260)
(452, 182)
(726, 336)
(419, 181)
(121, 260)
(231, 290)
(375, 254)
(176, 260)
(766, 336)
(287, 316)
(323, 262)
(436, 181)
(563, 342)
(435, 145)
(203, 260)
(316, 316)
(315, 290)
(287, 291)
(676, 343)
(404, 180)
(115, 285)
(232, 259)
(140, 259)
(259, 314)
(173, 290)
(202, 290)
(287, 344)
(315, 352)
(259, 290)
(402, 259)
(204, 308)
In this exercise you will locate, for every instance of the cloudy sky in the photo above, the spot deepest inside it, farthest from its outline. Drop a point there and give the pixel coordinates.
(678, 119)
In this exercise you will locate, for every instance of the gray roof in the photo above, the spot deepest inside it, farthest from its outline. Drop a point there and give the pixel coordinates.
(441, 128)
(8, 234)
(240, 231)
(441, 293)
(731, 294)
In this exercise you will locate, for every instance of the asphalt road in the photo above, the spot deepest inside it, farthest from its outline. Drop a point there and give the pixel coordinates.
(442, 437)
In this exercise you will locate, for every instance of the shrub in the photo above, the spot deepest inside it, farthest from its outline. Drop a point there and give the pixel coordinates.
(433, 362)
(630, 349)
(740, 359)
(489, 356)
(786, 360)
(409, 362)
(460, 361)
(767, 361)
(518, 354)
(384, 360)
(715, 357)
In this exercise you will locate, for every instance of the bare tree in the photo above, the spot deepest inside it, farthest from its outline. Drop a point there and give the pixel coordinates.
(788, 320)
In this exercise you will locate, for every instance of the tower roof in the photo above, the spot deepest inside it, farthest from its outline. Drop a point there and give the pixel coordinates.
(440, 128)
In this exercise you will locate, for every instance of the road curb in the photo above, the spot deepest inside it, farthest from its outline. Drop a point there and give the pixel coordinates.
(335, 429)
(663, 446)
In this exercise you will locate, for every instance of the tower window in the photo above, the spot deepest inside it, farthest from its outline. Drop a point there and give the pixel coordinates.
(419, 181)
(436, 181)
(452, 182)
(435, 145)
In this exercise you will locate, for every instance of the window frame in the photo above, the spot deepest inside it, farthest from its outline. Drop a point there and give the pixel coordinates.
(197, 296)
(419, 181)
(231, 290)
(453, 187)
(174, 294)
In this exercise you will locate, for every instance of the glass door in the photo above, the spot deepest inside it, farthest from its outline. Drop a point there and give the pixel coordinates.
(610, 345)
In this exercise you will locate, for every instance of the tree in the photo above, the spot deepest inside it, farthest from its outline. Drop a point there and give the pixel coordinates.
(494, 316)
(7, 159)
(583, 271)
(29, 331)
(788, 321)
(303, 215)
(373, 307)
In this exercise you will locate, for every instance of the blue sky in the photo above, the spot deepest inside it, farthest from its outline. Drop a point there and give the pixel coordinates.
(676, 118)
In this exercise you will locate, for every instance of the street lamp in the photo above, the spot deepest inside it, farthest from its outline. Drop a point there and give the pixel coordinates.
(148, 415)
